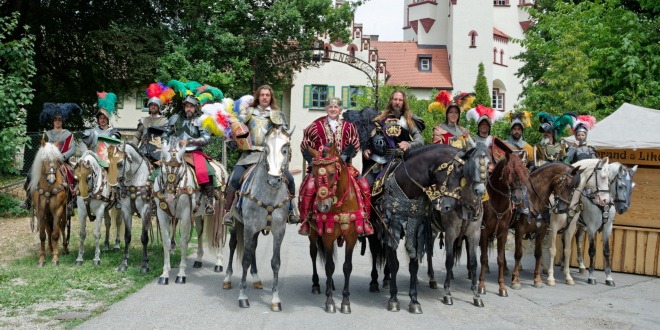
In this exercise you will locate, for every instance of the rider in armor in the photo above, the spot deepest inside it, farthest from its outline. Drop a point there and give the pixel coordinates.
(57, 113)
(157, 94)
(484, 117)
(451, 132)
(397, 131)
(550, 149)
(257, 119)
(107, 107)
(580, 149)
(519, 121)
(344, 135)
(188, 130)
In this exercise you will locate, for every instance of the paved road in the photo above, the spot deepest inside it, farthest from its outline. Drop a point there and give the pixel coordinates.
(202, 303)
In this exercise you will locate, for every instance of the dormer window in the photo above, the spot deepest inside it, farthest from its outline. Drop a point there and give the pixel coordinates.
(424, 62)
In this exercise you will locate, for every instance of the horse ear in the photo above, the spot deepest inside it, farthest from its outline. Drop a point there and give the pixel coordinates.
(606, 161)
(576, 170)
(43, 139)
(633, 170)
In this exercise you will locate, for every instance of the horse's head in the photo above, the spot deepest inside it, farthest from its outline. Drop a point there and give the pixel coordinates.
(326, 169)
(621, 186)
(447, 184)
(563, 186)
(115, 163)
(172, 163)
(512, 174)
(594, 181)
(277, 153)
(84, 171)
(475, 170)
(46, 165)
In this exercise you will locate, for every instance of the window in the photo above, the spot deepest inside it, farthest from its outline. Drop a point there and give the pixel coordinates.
(498, 99)
(494, 55)
(349, 95)
(473, 38)
(501, 2)
(424, 64)
(502, 56)
(141, 101)
(315, 96)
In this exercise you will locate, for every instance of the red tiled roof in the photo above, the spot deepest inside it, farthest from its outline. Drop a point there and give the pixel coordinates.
(403, 67)
(525, 25)
(500, 33)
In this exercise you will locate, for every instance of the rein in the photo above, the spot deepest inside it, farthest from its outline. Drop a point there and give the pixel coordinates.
(432, 191)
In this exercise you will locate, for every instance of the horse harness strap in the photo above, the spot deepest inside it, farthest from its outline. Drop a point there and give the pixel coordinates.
(269, 208)
(134, 192)
(432, 191)
(53, 192)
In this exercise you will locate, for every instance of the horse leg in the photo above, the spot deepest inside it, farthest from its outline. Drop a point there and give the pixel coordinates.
(199, 226)
(66, 226)
(108, 222)
(373, 247)
(387, 274)
(97, 233)
(521, 228)
(55, 234)
(313, 252)
(538, 255)
(483, 244)
(233, 241)
(431, 273)
(256, 281)
(592, 254)
(471, 244)
(554, 219)
(82, 218)
(248, 254)
(128, 221)
(393, 265)
(351, 240)
(278, 236)
(579, 239)
(185, 238)
(144, 236)
(164, 222)
(42, 237)
(114, 214)
(568, 234)
(328, 249)
(501, 261)
(414, 307)
(449, 265)
(607, 231)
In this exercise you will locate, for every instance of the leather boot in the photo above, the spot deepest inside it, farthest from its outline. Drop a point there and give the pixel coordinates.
(365, 189)
(230, 194)
(305, 200)
(294, 216)
(27, 203)
(207, 190)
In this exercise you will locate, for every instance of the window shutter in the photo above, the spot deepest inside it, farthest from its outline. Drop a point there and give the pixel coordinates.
(331, 91)
(307, 96)
(346, 97)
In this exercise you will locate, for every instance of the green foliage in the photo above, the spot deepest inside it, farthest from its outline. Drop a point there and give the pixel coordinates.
(214, 150)
(9, 207)
(591, 56)
(483, 95)
(16, 70)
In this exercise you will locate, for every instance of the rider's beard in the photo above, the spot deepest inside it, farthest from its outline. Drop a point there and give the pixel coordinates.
(189, 115)
(516, 136)
(396, 111)
(545, 141)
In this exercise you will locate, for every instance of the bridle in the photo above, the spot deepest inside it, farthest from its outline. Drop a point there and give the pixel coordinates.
(592, 195)
(560, 182)
(452, 167)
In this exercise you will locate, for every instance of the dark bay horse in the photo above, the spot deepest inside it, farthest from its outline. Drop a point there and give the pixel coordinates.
(556, 179)
(506, 189)
(428, 178)
(49, 191)
(338, 215)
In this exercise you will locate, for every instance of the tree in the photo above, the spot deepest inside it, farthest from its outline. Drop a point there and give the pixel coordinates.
(483, 95)
(16, 70)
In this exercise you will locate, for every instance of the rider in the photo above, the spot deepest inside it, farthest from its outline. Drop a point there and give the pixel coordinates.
(549, 149)
(484, 117)
(107, 107)
(344, 135)
(451, 132)
(57, 113)
(257, 119)
(188, 130)
(397, 131)
(515, 141)
(580, 150)
(155, 93)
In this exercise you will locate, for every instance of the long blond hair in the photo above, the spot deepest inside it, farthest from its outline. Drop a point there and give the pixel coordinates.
(273, 100)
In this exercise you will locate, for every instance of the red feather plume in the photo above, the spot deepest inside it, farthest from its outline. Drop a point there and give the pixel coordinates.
(154, 90)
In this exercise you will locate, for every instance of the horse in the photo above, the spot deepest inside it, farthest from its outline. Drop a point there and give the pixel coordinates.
(178, 198)
(94, 200)
(428, 178)
(593, 185)
(506, 187)
(49, 191)
(463, 222)
(338, 215)
(595, 218)
(265, 207)
(130, 170)
(556, 179)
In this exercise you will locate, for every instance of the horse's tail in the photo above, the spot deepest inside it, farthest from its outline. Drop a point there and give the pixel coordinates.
(458, 247)
(320, 248)
(210, 229)
(375, 246)
(240, 245)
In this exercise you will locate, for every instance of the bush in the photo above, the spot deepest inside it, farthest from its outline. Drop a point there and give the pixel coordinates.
(9, 207)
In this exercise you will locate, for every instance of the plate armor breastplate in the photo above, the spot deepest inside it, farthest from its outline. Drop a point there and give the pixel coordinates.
(258, 127)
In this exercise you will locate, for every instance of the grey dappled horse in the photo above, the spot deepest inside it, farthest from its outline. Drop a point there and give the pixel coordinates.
(594, 218)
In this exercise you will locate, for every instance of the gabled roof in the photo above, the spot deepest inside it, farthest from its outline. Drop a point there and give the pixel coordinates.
(525, 25)
(403, 67)
(500, 33)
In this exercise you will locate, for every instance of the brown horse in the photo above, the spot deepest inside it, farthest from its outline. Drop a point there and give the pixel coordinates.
(49, 191)
(506, 190)
(559, 180)
(337, 216)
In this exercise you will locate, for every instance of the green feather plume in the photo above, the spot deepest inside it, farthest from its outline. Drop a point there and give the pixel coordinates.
(218, 95)
(178, 87)
(563, 124)
(545, 117)
(193, 85)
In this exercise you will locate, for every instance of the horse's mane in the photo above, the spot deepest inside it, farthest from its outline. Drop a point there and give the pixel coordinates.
(470, 167)
(46, 153)
(512, 170)
(424, 149)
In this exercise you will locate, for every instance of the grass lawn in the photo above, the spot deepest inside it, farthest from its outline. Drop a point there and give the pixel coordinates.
(31, 296)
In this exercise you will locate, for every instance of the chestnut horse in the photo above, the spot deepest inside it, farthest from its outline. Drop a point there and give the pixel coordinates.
(338, 216)
(49, 191)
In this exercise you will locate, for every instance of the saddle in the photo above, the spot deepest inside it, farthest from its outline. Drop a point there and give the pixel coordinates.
(377, 189)
(244, 183)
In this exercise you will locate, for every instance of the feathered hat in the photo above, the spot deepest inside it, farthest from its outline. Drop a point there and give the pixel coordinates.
(107, 104)
(159, 94)
(522, 118)
(554, 124)
(209, 94)
(186, 91)
(243, 103)
(583, 123)
(218, 117)
(61, 110)
(484, 113)
(444, 101)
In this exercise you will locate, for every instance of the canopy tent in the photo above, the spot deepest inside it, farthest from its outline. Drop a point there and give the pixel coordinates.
(629, 127)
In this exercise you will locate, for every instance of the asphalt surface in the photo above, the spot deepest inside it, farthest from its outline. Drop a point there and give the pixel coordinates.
(203, 304)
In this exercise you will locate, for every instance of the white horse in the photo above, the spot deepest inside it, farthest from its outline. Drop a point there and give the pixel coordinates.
(93, 200)
(178, 199)
(130, 171)
(596, 218)
(594, 185)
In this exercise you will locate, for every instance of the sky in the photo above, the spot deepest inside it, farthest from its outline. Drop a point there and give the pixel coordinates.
(382, 17)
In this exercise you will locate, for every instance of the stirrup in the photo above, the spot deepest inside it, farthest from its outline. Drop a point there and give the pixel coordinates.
(228, 220)
(304, 229)
(209, 210)
(293, 218)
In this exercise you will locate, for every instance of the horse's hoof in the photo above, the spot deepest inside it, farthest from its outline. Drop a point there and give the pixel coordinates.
(180, 280)
(415, 308)
(106, 248)
(218, 269)
(197, 264)
(144, 269)
(257, 285)
(386, 284)
(469, 277)
(481, 291)
(582, 270)
(330, 308)
(538, 284)
(448, 300)
(433, 285)
(609, 283)
(345, 308)
(56, 263)
(591, 281)
(276, 307)
(570, 282)
(79, 262)
(243, 303)
(163, 281)
(226, 285)
(393, 306)
(316, 289)
(40, 263)
(121, 269)
(373, 287)
(551, 283)
(116, 249)
(97, 262)
(478, 302)
(516, 286)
